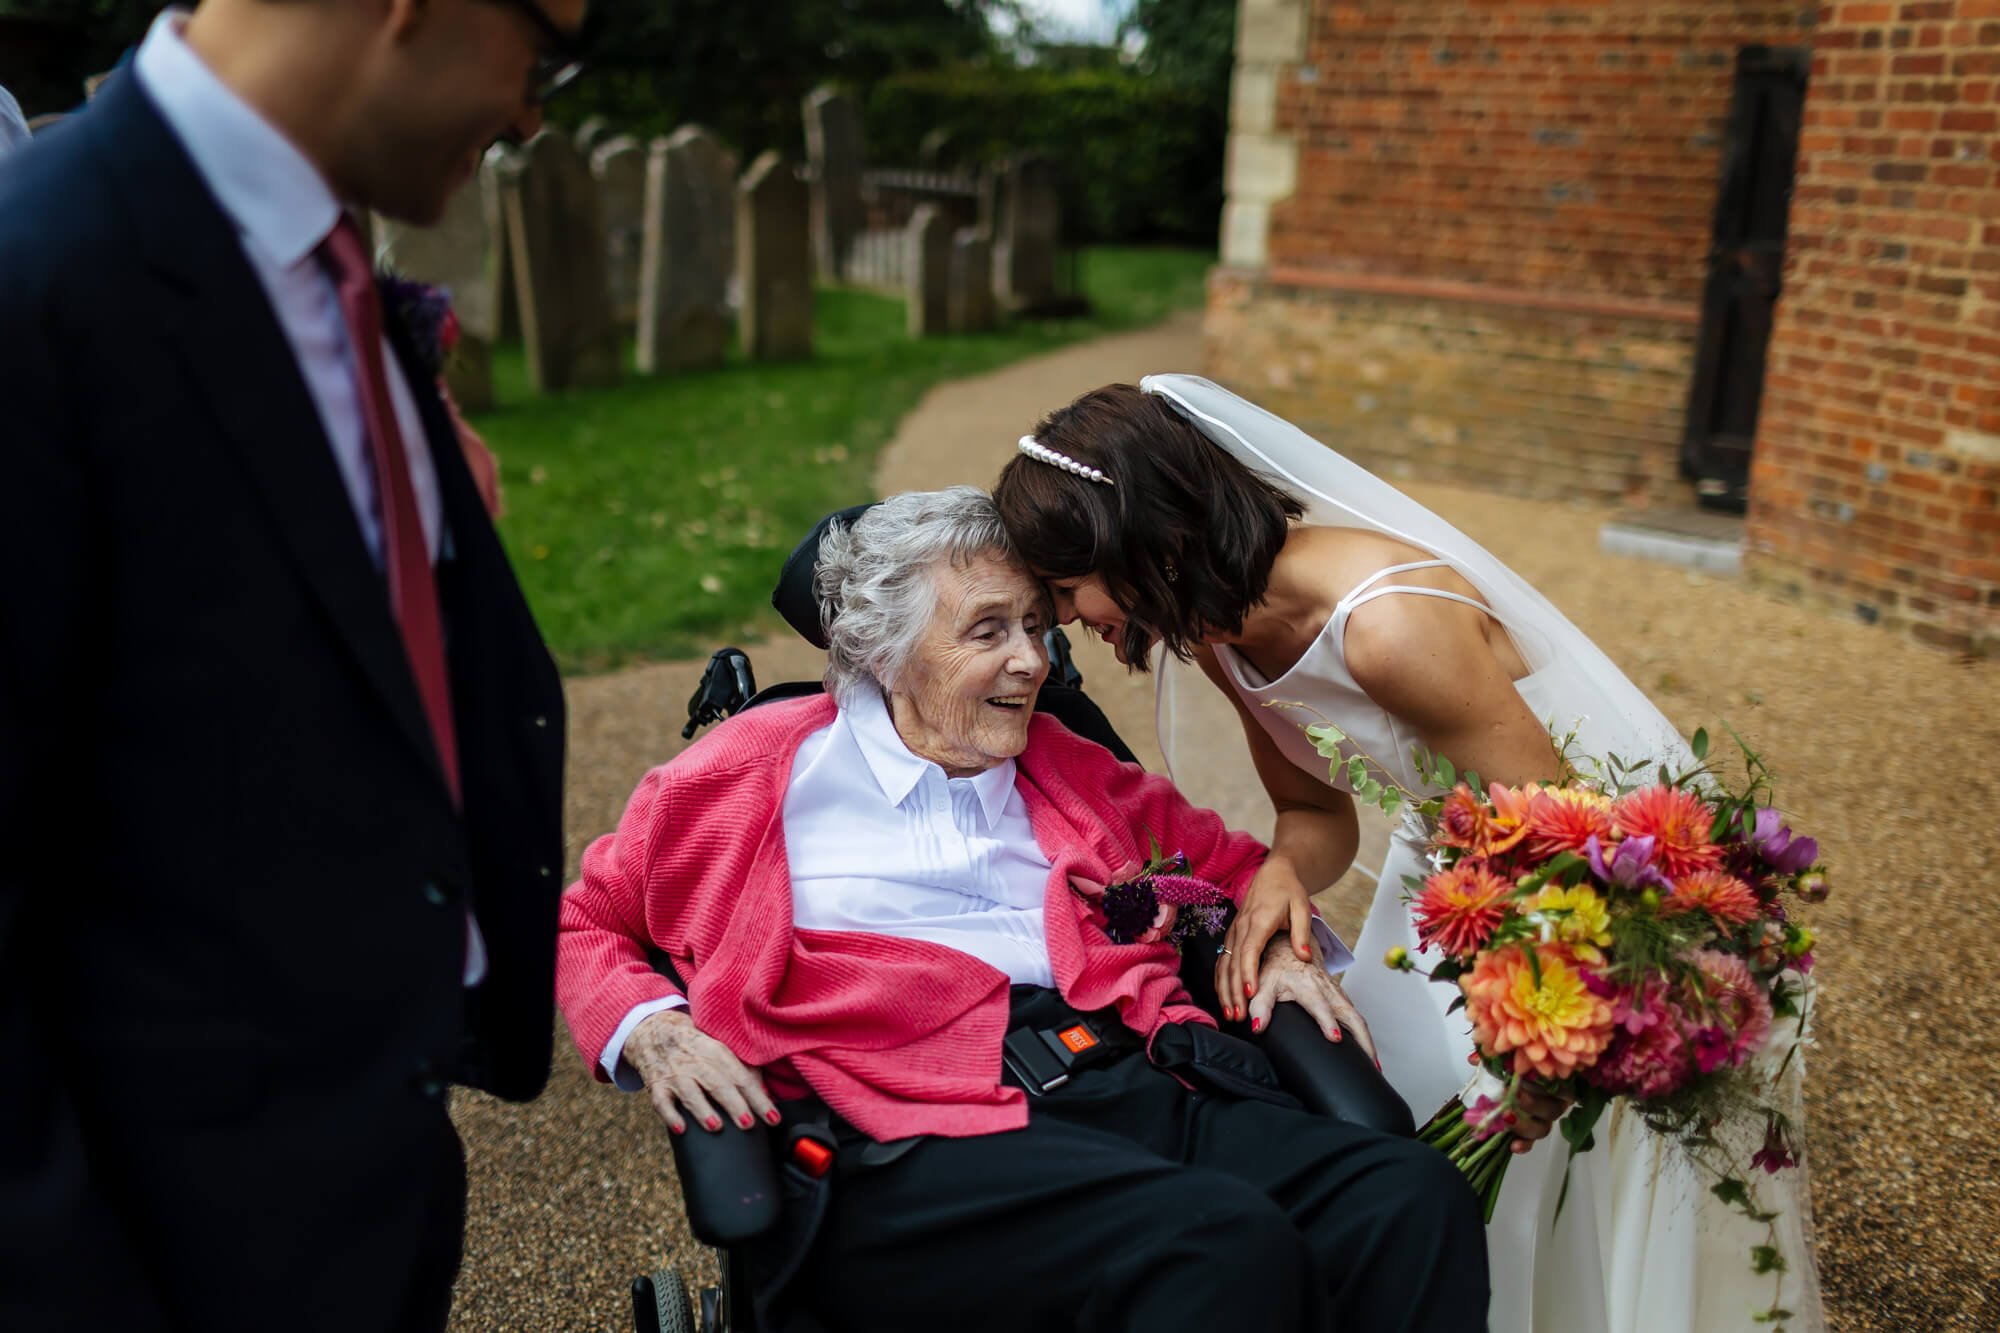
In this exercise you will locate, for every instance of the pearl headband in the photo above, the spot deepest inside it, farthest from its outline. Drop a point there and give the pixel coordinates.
(1041, 453)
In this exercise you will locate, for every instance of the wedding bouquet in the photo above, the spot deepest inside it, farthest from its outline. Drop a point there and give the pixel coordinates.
(1623, 934)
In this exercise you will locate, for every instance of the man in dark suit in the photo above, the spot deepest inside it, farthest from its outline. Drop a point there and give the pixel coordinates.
(280, 746)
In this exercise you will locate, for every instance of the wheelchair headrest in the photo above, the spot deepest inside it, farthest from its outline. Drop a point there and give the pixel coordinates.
(794, 597)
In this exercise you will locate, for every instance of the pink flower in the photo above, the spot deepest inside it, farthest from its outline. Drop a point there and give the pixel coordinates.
(1737, 1011)
(1648, 1056)
(1483, 1115)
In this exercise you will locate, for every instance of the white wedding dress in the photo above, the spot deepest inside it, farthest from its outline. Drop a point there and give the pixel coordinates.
(1640, 1245)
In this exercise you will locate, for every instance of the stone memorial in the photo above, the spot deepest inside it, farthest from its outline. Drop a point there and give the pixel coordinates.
(927, 271)
(553, 224)
(690, 223)
(834, 154)
(774, 261)
(619, 164)
(969, 301)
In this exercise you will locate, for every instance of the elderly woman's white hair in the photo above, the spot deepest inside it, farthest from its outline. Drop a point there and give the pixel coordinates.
(875, 580)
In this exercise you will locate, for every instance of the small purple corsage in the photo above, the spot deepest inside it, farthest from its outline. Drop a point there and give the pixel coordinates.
(1160, 901)
(426, 317)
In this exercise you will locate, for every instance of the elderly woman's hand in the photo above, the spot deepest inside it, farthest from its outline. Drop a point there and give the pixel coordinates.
(687, 1070)
(1284, 976)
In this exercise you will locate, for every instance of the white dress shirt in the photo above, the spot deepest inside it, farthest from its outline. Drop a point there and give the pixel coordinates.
(880, 840)
(282, 209)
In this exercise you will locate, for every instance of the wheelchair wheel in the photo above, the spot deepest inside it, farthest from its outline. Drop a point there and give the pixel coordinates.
(660, 1304)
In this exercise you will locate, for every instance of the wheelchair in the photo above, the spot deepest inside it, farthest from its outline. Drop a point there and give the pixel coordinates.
(735, 1182)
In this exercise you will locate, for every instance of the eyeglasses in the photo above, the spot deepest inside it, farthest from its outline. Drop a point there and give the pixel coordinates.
(561, 63)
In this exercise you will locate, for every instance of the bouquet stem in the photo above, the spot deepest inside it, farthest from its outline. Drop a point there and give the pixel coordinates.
(1481, 1158)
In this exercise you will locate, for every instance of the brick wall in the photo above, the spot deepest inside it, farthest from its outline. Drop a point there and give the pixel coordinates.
(1876, 478)
(1554, 146)
(1511, 202)
(1554, 403)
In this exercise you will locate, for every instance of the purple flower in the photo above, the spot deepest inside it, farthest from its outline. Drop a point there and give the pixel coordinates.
(1781, 850)
(1776, 1154)
(1129, 910)
(1631, 865)
(425, 314)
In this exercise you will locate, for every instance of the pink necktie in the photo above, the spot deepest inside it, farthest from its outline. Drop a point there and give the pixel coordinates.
(413, 596)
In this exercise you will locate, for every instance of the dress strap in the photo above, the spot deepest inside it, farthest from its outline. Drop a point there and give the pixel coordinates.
(1363, 586)
(1365, 592)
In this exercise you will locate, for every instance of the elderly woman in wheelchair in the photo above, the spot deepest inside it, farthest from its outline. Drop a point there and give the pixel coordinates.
(878, 917)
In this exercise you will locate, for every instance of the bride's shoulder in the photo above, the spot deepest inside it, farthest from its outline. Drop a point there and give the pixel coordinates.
(1337, 560)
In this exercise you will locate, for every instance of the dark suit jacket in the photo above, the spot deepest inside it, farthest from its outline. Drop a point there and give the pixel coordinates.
(232, 880)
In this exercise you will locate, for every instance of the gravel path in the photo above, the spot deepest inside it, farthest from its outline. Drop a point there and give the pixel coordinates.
(1874, 740)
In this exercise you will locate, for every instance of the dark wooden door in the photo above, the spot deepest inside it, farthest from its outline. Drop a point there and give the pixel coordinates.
(1746, 261)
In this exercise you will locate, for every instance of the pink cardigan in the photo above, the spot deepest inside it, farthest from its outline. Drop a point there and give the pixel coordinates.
(898, 1036)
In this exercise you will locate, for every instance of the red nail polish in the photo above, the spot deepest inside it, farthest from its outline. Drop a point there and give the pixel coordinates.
(714, 1122)
(1249, 991)
(1256, 1025)
(678, 1129)
(773, 1117)
(746, 1121)
(1336, 1034)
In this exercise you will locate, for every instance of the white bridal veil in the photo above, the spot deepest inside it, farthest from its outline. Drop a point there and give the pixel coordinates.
(1608, 712)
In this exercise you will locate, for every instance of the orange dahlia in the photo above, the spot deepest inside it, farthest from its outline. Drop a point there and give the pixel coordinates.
(1563, 819)
(1468, 822)
(1723, 896)
(1678, 823)
(1549, 1025)
(1460, 908)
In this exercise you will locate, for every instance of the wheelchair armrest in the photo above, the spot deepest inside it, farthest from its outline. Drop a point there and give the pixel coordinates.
(1333, 1078)
(729, 1182)
(729, 1179)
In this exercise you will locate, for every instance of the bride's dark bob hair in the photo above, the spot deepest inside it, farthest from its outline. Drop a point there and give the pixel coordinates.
(1184, 537)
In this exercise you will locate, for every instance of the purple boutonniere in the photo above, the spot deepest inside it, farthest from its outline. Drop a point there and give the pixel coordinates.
(425, 315)
(1160, 901)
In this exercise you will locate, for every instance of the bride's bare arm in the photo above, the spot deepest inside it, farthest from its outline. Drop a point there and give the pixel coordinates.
(1312, 845)
(1429, 662)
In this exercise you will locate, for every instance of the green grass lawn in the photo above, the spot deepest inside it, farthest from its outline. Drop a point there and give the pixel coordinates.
(649, 520)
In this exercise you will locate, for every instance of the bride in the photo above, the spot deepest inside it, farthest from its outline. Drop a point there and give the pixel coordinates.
(1178, 515)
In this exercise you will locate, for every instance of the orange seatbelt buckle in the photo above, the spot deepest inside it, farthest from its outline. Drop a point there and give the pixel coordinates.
(1078, 1039)
(812, 1157)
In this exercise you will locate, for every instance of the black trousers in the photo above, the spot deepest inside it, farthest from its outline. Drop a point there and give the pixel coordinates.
(1132, 1202)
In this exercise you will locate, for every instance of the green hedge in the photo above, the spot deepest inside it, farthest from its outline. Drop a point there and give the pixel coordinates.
(1141, 157)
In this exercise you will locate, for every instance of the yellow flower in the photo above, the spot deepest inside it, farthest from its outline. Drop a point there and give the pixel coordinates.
(1576, 917)
(1541, 1017)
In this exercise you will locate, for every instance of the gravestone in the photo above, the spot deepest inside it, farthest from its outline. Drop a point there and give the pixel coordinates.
(453, 254)
(593, 131)
(969, 291)
(937, 150)
(619, 164)
(690, 223)
(554, 227)
(833, 151)
(1028, 207)
(499, 256)
(927, 271)
(774, 260)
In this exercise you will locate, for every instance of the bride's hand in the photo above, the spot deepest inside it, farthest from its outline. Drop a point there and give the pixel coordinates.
(1313, 989)
(1274, 902)
(1537, 1111)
